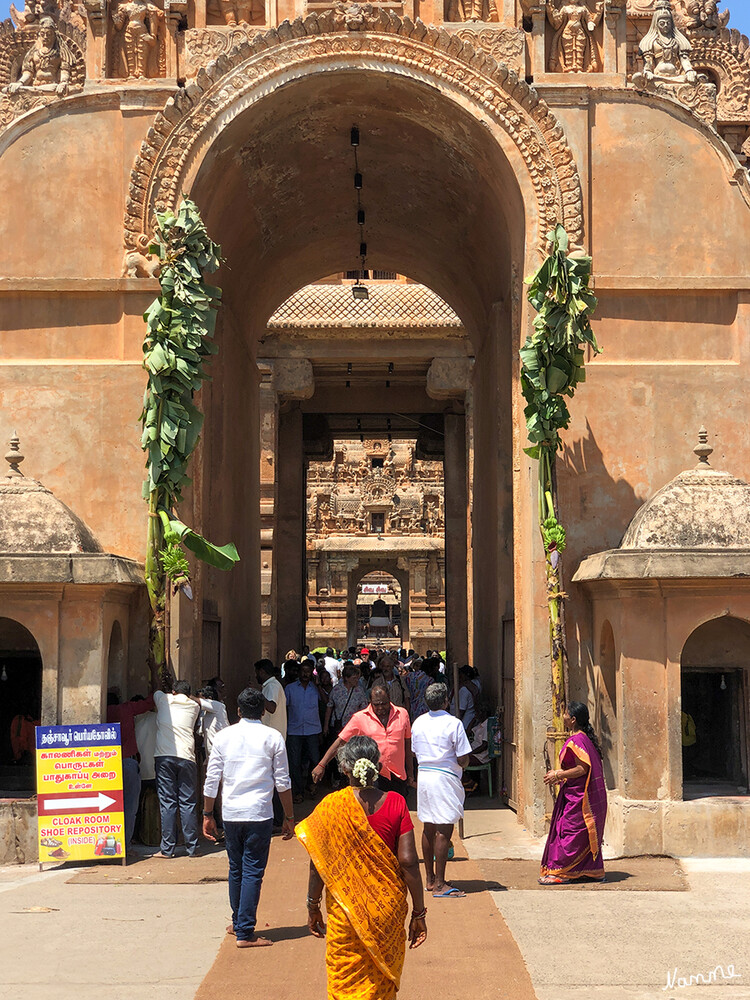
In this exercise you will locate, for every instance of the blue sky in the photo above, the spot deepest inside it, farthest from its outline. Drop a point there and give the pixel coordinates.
(740, 13)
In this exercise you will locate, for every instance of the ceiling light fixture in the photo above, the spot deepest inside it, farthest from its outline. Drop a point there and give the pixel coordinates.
(359, 288)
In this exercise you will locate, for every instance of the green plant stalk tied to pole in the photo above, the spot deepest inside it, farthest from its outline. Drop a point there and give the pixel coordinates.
(180, 327)
(552, 367)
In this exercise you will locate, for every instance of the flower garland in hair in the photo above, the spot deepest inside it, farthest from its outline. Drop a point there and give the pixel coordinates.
(361, 770)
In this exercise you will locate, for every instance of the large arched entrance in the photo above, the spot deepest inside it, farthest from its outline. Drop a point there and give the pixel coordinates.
(463, 171)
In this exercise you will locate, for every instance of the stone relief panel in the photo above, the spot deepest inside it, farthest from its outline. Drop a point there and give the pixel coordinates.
(506, 45)
(575, 47)
(138, 41)
(41, 61)
(343, 493)
(236, 12)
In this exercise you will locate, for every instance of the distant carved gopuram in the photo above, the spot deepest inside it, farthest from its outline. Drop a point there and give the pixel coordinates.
(382, 179)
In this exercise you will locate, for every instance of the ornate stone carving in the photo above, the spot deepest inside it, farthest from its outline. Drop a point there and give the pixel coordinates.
(139, 40)
(234, 12)
(703, 16)
(506, 45)
(665, 50)
(203, 45)
(48, 64)
(239, 79)
(39, 63)
(574, 48)
(472, 10)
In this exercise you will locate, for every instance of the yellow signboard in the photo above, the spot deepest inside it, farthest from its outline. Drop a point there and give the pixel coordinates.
(79, 792)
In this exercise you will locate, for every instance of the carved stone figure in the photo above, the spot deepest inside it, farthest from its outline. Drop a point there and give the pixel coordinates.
(48, 63)
(666, 50)
(141, 34)
(234, 12)
(704, 16)
(472, 10)
(573, 47)
(139, 265)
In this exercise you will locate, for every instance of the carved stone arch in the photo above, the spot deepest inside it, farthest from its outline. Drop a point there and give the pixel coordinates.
(374, 40)
(726, 56)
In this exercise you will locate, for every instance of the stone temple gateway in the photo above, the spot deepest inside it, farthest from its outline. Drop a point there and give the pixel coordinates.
(482, 125)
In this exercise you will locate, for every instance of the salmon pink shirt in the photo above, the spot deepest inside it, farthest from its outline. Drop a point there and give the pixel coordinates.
(391, 738)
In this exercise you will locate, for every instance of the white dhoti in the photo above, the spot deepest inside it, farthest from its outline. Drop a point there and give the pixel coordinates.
(440, 795)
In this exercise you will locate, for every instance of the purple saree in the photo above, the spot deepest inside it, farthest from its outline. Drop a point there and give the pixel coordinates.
(574, 842)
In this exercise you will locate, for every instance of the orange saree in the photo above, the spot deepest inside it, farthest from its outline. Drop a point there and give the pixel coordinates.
(365, 900)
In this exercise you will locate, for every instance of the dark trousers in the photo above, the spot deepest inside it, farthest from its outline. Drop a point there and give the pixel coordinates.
(131, 792)
(247, 848)
(393, 784)
(176, 788)
(303, 752)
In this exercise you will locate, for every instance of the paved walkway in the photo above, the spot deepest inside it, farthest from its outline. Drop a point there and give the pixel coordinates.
(124, 942)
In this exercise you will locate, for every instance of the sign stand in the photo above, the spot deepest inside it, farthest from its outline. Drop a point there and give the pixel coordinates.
(80, 805)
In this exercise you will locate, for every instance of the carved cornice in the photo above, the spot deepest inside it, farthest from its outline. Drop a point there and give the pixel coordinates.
(366, 37)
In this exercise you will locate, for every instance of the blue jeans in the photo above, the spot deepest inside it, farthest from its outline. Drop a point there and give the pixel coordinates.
(304, 754)
(131, 792)
(247, 848)
(176, 787)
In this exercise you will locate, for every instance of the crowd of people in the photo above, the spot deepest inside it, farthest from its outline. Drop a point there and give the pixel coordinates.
(371, 729)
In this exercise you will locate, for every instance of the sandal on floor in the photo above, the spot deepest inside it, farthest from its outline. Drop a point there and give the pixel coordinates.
(551, 880)
(449, 892)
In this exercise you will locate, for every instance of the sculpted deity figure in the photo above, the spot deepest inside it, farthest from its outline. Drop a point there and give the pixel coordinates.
(666, 50)
(472, 10)
(141, 27)
(47, 64)
(573, 47)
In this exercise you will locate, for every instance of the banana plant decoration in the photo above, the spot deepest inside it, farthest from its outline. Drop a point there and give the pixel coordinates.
(180, 326)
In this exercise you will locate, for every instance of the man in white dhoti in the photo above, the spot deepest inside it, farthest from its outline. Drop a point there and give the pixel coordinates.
(442, 748)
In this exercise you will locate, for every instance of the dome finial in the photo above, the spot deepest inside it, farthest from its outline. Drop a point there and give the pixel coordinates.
(14, 456)
(703, 449)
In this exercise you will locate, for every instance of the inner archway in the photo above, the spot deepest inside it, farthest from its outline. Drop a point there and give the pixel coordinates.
(378, 611)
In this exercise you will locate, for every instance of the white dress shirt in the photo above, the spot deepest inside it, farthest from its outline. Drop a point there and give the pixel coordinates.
(214, 718)
(249, 760)
(438, 740)
(273, 691)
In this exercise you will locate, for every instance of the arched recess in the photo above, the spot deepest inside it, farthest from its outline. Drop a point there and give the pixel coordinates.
(606, 704)
(20, 705)
(378, 615)
(715, 692)
(116, 663)
(356, 576)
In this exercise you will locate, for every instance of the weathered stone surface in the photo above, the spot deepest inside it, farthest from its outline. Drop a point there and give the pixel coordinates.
(32, 519)
(18, 832)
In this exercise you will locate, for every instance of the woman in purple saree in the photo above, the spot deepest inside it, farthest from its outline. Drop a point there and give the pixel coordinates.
(574, 844)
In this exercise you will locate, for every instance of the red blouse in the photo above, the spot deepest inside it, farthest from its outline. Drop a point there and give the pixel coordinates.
(391, 820)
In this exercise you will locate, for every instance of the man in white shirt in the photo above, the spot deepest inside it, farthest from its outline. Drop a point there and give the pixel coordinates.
(442, 748)
(174, 763)
(248, 760)
(275, 698)
(332, 665)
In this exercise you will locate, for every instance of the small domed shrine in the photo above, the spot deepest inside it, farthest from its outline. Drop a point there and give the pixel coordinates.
(73, 616)
(671, 609)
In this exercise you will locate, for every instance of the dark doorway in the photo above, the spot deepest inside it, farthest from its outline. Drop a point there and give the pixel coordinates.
(20, 707)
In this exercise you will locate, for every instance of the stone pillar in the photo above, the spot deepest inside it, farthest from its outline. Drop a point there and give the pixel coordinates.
(292, 380)
(538, 13)
(615, 42)
(174, 10)
(269, 416)
(456, 519)
(289, 541)
(96, 39)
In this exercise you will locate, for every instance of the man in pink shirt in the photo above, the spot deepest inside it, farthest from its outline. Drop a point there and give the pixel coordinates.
(389, 726)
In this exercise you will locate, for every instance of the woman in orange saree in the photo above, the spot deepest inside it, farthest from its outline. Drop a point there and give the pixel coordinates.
(361, 846)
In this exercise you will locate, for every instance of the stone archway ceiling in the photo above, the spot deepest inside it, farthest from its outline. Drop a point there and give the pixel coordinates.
(391, 305)
(261, 141)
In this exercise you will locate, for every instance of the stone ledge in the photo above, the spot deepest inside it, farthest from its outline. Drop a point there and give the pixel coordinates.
(666, 564)
(73, 286)
(73, 567)
(346, 544)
